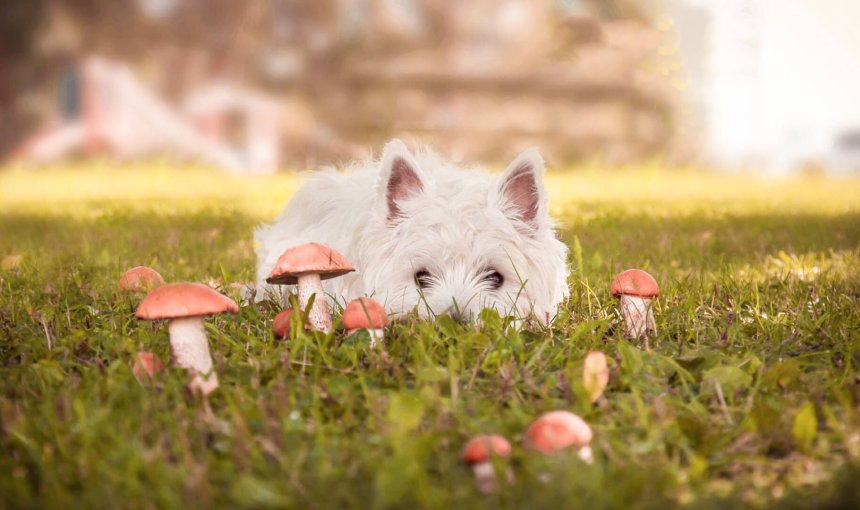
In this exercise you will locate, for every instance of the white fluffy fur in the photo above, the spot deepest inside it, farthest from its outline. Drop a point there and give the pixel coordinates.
(458, 225)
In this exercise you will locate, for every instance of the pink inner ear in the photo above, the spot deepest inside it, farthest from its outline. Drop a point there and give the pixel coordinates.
(521, 192)
(402, 184)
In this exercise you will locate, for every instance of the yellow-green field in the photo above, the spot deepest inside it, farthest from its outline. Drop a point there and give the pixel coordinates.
(660, 192)
(749, 396)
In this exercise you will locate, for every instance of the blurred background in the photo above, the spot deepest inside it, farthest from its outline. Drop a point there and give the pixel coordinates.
(254, 86)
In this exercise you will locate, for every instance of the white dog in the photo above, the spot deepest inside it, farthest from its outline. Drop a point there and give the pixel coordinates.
(424, 235)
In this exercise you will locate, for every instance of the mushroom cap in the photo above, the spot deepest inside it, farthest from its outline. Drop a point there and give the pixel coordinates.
(556, 431)
(310, 258)
(635, 282)
(145, 364)
(140, 278)
(178, 300)
(354, 316)
(281, 324)
(480, 448)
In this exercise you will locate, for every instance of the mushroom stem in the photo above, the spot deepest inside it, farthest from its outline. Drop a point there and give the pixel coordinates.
(586, 455)
(189, 347)
(485, 476)
(638, 316)
(319, 316)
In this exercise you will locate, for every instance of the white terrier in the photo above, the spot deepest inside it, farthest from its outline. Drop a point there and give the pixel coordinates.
(424, 235)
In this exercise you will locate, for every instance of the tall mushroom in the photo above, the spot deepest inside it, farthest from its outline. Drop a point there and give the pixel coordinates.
(635, 287)
(558, 430)
(140, 279)
(185, 305)
(478, 453)
(365, 313)
(305, 266)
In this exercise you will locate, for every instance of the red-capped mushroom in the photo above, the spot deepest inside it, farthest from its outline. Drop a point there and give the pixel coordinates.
(595, 374)
(636, 288)
(558, 430)
(478, 454)
(305, 266)
(185, 305)
(145, 365)
(365, 313)
(281, 324)
(140, 279)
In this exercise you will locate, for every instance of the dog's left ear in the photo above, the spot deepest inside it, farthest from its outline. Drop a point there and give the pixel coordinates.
(399, 178)
(520, 193)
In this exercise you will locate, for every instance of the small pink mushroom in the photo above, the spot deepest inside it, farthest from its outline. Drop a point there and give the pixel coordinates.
(145, 365)
(140, 279)
(478, 454)
(365, 313)
(556, 431)
(281, 324)
(595, 374)
(636, 288)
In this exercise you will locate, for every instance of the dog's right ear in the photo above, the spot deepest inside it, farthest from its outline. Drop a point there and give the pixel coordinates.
(521, 194)
(399, 177)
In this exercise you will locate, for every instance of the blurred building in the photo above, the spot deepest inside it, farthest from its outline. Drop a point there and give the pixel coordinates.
(485, 78)
(479, 79)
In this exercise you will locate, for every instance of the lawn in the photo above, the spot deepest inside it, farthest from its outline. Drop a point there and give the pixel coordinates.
(748, 396)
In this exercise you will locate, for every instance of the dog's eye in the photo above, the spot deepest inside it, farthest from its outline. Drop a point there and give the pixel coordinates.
(423, 278)
(495, 279)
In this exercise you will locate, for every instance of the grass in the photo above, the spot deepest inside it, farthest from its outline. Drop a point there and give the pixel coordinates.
(749, 396)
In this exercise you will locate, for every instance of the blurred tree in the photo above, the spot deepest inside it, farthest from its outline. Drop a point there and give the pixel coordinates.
(20, 24)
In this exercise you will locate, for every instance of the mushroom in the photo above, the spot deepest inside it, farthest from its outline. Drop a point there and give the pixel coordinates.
(636, 288)
(595, 375)
(478, 454)
(185, 305)
(140, 279)
(365, 313)
(556, 431)
(305, 266)
(145, 365)
(281, 324)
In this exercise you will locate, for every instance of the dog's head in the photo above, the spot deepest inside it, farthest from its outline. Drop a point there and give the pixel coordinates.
(442, 240)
